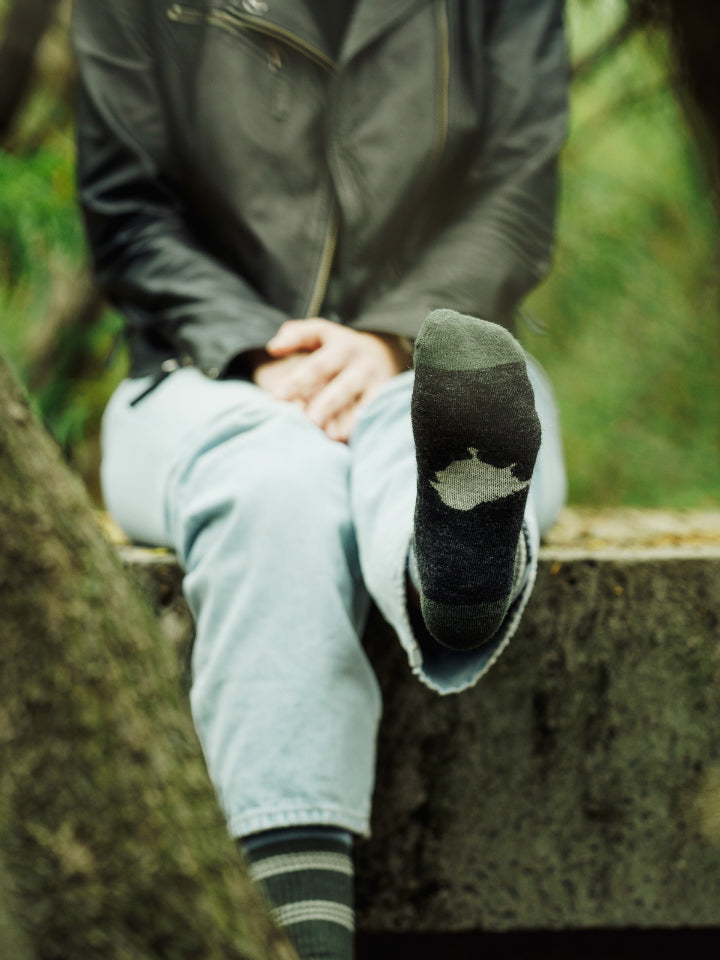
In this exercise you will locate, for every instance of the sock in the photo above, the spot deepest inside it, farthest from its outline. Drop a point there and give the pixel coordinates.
(306, 874)
(477, 436)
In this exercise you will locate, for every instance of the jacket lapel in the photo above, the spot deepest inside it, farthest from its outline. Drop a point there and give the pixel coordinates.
(372, 18)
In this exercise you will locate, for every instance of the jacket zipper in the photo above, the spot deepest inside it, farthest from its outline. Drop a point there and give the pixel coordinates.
(238, 23)
(323, 275)
(166, 368)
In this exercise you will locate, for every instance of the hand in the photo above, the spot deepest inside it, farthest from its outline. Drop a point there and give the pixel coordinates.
(331, 371)
(270, 374)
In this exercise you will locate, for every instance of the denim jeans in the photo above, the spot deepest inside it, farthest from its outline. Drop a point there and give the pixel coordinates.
(284, 537)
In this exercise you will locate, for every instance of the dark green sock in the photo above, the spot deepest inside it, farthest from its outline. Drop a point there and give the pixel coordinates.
(307, 877)
(477, 436)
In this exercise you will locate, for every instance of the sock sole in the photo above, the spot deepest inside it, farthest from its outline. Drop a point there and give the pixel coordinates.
(477, 436)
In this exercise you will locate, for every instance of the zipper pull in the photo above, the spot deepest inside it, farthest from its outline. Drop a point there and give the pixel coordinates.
(166, 368)
(280, 91)
(256, 7)
(275, 61)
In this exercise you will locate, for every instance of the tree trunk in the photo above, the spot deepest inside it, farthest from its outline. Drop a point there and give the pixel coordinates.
(111, 839)
(692, 26)
(694, 30)
(74, 308)
(25, 25)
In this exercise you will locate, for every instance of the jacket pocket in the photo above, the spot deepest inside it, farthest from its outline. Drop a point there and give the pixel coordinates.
(229, 22)
(223, 19)
(230, 19)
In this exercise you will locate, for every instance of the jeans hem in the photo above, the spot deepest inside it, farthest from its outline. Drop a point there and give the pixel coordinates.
(489, 653)
(243, 824)
(393, 604)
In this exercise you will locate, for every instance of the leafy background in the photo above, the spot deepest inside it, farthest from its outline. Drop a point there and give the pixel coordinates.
(627, 325)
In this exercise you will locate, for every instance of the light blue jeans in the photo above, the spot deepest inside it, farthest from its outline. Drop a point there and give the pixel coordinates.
(284, 537)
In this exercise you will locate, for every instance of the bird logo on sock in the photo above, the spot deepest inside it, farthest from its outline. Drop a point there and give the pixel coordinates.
(466, 484)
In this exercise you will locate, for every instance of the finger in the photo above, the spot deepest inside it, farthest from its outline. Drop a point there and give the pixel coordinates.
(296, 335)
(273, 375)
(341, 392)
(341, 428)
(310, 377)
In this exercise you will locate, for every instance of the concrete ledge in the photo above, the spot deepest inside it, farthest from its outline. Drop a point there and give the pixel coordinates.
(578, 785)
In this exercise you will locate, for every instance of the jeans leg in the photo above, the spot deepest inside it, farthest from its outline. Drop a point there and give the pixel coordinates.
(255, 500)
(549, 482)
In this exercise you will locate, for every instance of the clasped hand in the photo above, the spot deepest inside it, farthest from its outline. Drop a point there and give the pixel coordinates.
(328, 370)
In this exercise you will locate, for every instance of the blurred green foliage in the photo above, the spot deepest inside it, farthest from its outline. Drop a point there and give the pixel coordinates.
(628, 324)
(40, 236)
(631, 311)
(43, 257)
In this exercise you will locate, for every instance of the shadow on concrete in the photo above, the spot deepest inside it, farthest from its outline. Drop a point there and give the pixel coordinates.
(575, 945)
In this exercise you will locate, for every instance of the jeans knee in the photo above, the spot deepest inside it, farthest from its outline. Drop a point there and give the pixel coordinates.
(260, 492)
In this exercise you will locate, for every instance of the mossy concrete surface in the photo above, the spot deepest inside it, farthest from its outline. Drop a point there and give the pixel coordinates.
(578, 785)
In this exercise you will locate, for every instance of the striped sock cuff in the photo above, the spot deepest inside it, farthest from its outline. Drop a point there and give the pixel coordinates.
(310, 911)
(280, 864)
(308, 881)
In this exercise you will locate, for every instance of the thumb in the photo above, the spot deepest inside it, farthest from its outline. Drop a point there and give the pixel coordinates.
(295, 335)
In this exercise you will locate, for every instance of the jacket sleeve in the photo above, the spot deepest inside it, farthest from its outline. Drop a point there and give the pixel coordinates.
(170, 290)
(497, 243)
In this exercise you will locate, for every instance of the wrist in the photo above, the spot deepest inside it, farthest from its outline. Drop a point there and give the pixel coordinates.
(402, 348)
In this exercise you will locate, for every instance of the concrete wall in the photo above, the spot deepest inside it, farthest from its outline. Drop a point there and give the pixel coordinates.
(578, 785)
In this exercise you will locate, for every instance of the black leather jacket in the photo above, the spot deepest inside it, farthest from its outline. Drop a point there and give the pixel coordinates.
(234, 174)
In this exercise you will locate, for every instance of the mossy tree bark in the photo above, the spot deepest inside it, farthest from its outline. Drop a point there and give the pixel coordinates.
(111, 840)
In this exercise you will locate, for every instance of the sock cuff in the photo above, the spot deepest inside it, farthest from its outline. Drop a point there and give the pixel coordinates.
(307, 876)
(281, 864)
(304, 837)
